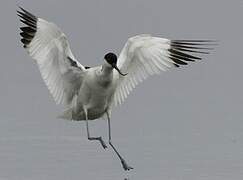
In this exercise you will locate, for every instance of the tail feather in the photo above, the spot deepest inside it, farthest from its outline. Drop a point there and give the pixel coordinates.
(67, 114)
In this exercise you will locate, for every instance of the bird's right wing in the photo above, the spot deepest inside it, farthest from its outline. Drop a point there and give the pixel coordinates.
(145, 55)
(48, 45)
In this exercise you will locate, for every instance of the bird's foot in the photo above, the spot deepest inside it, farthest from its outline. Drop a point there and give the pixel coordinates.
(102, 142)
(125, 166)
(98, 139)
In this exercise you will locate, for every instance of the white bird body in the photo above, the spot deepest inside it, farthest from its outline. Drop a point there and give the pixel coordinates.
(96, 93)
(90, 93)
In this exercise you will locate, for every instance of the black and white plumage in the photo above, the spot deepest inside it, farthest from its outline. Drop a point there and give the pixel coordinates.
(46, 43)
(90, 92)
(145, 55)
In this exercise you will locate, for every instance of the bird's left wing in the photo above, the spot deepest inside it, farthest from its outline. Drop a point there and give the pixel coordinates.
(48, 45)
(144, 55)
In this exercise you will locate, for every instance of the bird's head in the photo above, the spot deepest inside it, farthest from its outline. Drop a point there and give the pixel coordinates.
(111, 59)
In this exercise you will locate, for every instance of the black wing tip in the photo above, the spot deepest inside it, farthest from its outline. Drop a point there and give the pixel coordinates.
(196, 40)
(193, 42)
(22, 10)
(176, 65)
(182, 51)
(28, 32)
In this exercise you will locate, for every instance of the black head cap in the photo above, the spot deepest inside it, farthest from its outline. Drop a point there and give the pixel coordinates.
(111, 58)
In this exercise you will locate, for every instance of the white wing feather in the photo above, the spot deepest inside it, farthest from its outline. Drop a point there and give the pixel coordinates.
(144, 55)
(48, 45)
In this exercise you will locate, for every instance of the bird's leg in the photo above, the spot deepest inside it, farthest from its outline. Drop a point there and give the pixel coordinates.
(124, 164)
(87, 128)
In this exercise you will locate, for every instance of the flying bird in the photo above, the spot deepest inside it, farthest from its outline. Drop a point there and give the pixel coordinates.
(90, 93)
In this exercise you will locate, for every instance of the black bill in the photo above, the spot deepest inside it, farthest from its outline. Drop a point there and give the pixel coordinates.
(115, 66)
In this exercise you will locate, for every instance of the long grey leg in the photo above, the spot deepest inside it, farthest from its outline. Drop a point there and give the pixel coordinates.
(124, 164)
(87, 128)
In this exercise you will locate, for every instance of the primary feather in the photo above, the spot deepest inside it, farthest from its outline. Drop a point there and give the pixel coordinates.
(48, 45)
(145, 55)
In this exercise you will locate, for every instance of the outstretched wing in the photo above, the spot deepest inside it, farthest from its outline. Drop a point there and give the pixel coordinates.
(144, 55)
(48, 45)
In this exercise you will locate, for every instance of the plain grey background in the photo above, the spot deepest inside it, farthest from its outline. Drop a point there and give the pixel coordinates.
(184, 124)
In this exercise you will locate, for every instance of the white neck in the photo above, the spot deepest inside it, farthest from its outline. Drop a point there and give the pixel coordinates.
(106, 69)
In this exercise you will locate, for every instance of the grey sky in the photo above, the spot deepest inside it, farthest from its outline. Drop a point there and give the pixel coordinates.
(184, 124)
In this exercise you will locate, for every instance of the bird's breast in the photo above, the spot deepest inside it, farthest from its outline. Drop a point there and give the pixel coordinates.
(95, 94)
